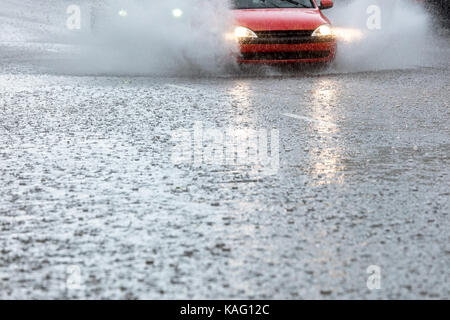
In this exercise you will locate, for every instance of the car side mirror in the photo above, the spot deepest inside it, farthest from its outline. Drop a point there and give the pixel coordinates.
(326, 4)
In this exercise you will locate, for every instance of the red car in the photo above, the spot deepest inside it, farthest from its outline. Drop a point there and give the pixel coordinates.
(283, 31)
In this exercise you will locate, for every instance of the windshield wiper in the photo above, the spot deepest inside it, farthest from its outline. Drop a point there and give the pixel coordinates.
(276, 6)
(296, 3)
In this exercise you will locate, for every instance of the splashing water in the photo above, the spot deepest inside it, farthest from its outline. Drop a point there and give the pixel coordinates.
(185, 37)
(169, 37)
(381, 34)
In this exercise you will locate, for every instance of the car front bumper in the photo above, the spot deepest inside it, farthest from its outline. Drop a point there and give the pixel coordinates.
(308, 52)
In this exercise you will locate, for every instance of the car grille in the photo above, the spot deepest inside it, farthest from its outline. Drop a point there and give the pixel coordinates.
(289, 55)
(285, 37)
(284, 34)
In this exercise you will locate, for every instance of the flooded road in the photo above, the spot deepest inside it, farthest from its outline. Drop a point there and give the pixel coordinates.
(266, 184)
(88, 180)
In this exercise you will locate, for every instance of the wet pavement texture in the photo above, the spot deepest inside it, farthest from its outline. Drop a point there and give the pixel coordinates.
(88, 179)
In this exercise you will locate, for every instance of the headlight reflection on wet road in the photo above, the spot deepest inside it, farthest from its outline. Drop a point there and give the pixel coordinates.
(326, 152)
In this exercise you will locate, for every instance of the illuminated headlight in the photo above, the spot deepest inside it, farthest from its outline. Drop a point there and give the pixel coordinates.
(177, 13)
(123, 13)
(347, 34)
(323, 31)
(244, 33)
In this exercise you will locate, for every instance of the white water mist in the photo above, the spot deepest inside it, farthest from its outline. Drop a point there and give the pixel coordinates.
(157, 37)
(401, 40)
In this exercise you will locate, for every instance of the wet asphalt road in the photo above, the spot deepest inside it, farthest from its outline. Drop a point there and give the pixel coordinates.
(88, 179)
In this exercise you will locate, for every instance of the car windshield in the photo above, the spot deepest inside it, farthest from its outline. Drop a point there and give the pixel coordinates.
(263, 4)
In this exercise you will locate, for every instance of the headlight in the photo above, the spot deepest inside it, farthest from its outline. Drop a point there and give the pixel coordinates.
(177, 13)
(243, 33)
(123, 13)
(347, 34)
(322, 31)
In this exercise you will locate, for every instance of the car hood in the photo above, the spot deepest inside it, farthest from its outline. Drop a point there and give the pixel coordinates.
(279, 19)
